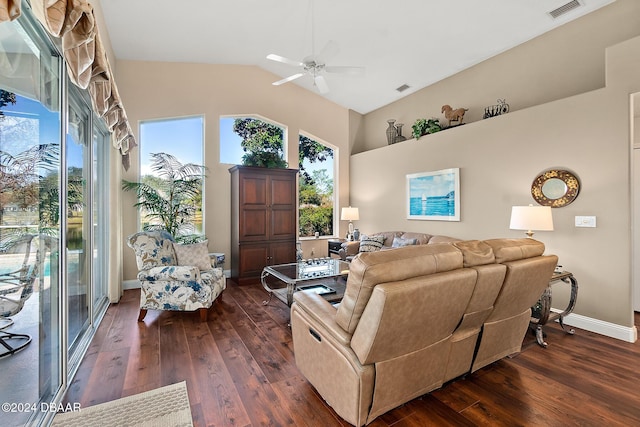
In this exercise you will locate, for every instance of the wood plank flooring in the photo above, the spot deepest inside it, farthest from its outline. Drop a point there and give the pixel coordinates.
(240, 371)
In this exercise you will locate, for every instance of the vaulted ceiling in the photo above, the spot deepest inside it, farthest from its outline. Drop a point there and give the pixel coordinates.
(405, 42)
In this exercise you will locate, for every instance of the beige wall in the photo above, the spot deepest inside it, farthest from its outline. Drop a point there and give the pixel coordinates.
(153, 90)
(499, 157)
(561, 63)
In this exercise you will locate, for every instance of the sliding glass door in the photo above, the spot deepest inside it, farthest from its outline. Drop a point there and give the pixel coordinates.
(54, 235)
(78, 218)
(30, 170)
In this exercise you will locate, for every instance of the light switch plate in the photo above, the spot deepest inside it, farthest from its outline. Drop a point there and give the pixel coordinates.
(586, 221)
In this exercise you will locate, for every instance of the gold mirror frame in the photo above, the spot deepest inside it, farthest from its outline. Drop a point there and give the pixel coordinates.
(571, 188)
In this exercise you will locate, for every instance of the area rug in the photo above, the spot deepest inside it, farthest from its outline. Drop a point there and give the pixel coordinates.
(162, 407)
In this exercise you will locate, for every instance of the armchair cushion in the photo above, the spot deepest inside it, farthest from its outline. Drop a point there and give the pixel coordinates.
(196, 254)
(152, 249)
(186, 273)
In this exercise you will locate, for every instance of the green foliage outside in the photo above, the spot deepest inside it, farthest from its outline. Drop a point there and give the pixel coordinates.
(261, 142)
(29, 179)
(263, 146)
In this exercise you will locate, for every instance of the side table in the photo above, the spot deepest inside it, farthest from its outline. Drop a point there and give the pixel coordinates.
(334, 246)
(542, 311)
(217, 259)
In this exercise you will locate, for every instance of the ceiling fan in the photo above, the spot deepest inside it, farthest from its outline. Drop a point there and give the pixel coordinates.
(316, 65)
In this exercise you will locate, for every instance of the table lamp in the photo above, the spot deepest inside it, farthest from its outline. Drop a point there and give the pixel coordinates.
(531, 218)
(350, 214)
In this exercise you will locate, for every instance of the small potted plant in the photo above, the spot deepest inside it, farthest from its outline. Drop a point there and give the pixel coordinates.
(425, 127)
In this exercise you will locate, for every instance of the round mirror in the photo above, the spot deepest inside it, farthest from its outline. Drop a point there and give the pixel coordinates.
(555, 188)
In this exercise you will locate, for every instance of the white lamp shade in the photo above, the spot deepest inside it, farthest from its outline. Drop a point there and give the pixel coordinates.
(350, 214)
(533, 218)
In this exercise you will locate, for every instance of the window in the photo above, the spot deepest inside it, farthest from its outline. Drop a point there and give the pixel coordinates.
(172, 149)
(252, 141)
(316, 183)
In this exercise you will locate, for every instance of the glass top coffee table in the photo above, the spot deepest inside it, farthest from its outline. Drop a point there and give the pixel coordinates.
(320, 275)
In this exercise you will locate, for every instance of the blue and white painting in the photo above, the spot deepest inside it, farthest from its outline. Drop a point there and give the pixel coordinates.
(434, 195)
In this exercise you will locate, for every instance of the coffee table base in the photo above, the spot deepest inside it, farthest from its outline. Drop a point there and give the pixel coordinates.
(285, 294)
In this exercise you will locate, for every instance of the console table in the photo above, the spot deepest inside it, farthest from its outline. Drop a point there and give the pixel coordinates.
(544, 315)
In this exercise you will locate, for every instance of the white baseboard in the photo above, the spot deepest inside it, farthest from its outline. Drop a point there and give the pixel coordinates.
(130, 284)
(135, 284)
(624, 333)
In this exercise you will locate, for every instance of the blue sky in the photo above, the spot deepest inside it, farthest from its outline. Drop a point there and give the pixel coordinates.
(182, 137)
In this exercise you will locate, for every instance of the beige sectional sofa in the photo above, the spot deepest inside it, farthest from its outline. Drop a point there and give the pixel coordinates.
(415, 317)
(392, 239)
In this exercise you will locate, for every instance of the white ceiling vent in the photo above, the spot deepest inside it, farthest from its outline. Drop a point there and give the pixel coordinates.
(565, 8)
(403, 88)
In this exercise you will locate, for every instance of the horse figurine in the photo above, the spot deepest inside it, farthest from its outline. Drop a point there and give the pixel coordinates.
(453, 115)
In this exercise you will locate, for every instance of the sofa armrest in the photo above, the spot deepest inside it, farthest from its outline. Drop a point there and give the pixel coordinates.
(170, 273)
(322, 312)
(351, 248)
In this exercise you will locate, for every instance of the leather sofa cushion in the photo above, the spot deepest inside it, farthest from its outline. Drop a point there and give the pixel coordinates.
(371, 268)
(475, 253)
(506, 250)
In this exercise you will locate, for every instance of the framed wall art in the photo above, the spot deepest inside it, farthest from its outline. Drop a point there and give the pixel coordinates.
(434, 195)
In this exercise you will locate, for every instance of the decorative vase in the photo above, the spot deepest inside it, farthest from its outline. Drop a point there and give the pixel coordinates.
(392, 132)
(356, 234)
(399, 137)
(299, 255)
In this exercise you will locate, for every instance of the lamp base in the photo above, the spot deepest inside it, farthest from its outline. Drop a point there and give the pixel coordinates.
(529, 234)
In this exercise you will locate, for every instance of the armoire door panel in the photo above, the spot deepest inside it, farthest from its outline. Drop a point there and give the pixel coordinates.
(254, 224)
(282, 253)
(283, 224)
(253, 258)
(254, 190)
(283, 192)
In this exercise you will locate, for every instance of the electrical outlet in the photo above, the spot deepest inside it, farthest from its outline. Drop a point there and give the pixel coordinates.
(586, 221)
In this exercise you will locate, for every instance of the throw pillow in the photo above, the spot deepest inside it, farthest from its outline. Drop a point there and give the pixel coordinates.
(371, 243)
(399, 242)
(196, 255)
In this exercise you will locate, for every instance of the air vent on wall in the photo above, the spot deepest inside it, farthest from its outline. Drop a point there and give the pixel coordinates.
(565, 8)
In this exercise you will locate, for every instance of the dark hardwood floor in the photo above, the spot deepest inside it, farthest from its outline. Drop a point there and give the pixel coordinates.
(240, 371)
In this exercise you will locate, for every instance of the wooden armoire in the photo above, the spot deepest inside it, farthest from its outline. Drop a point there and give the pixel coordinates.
(263, 220)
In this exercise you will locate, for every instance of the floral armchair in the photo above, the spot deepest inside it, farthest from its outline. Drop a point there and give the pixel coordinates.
(173, 276)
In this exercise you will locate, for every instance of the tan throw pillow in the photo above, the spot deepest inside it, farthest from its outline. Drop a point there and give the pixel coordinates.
(196, 255)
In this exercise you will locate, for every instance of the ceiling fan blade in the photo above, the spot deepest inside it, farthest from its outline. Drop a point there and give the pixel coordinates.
(353, 71)
(321, 84)
(284, 60)
(288, 79)
(329, 50)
